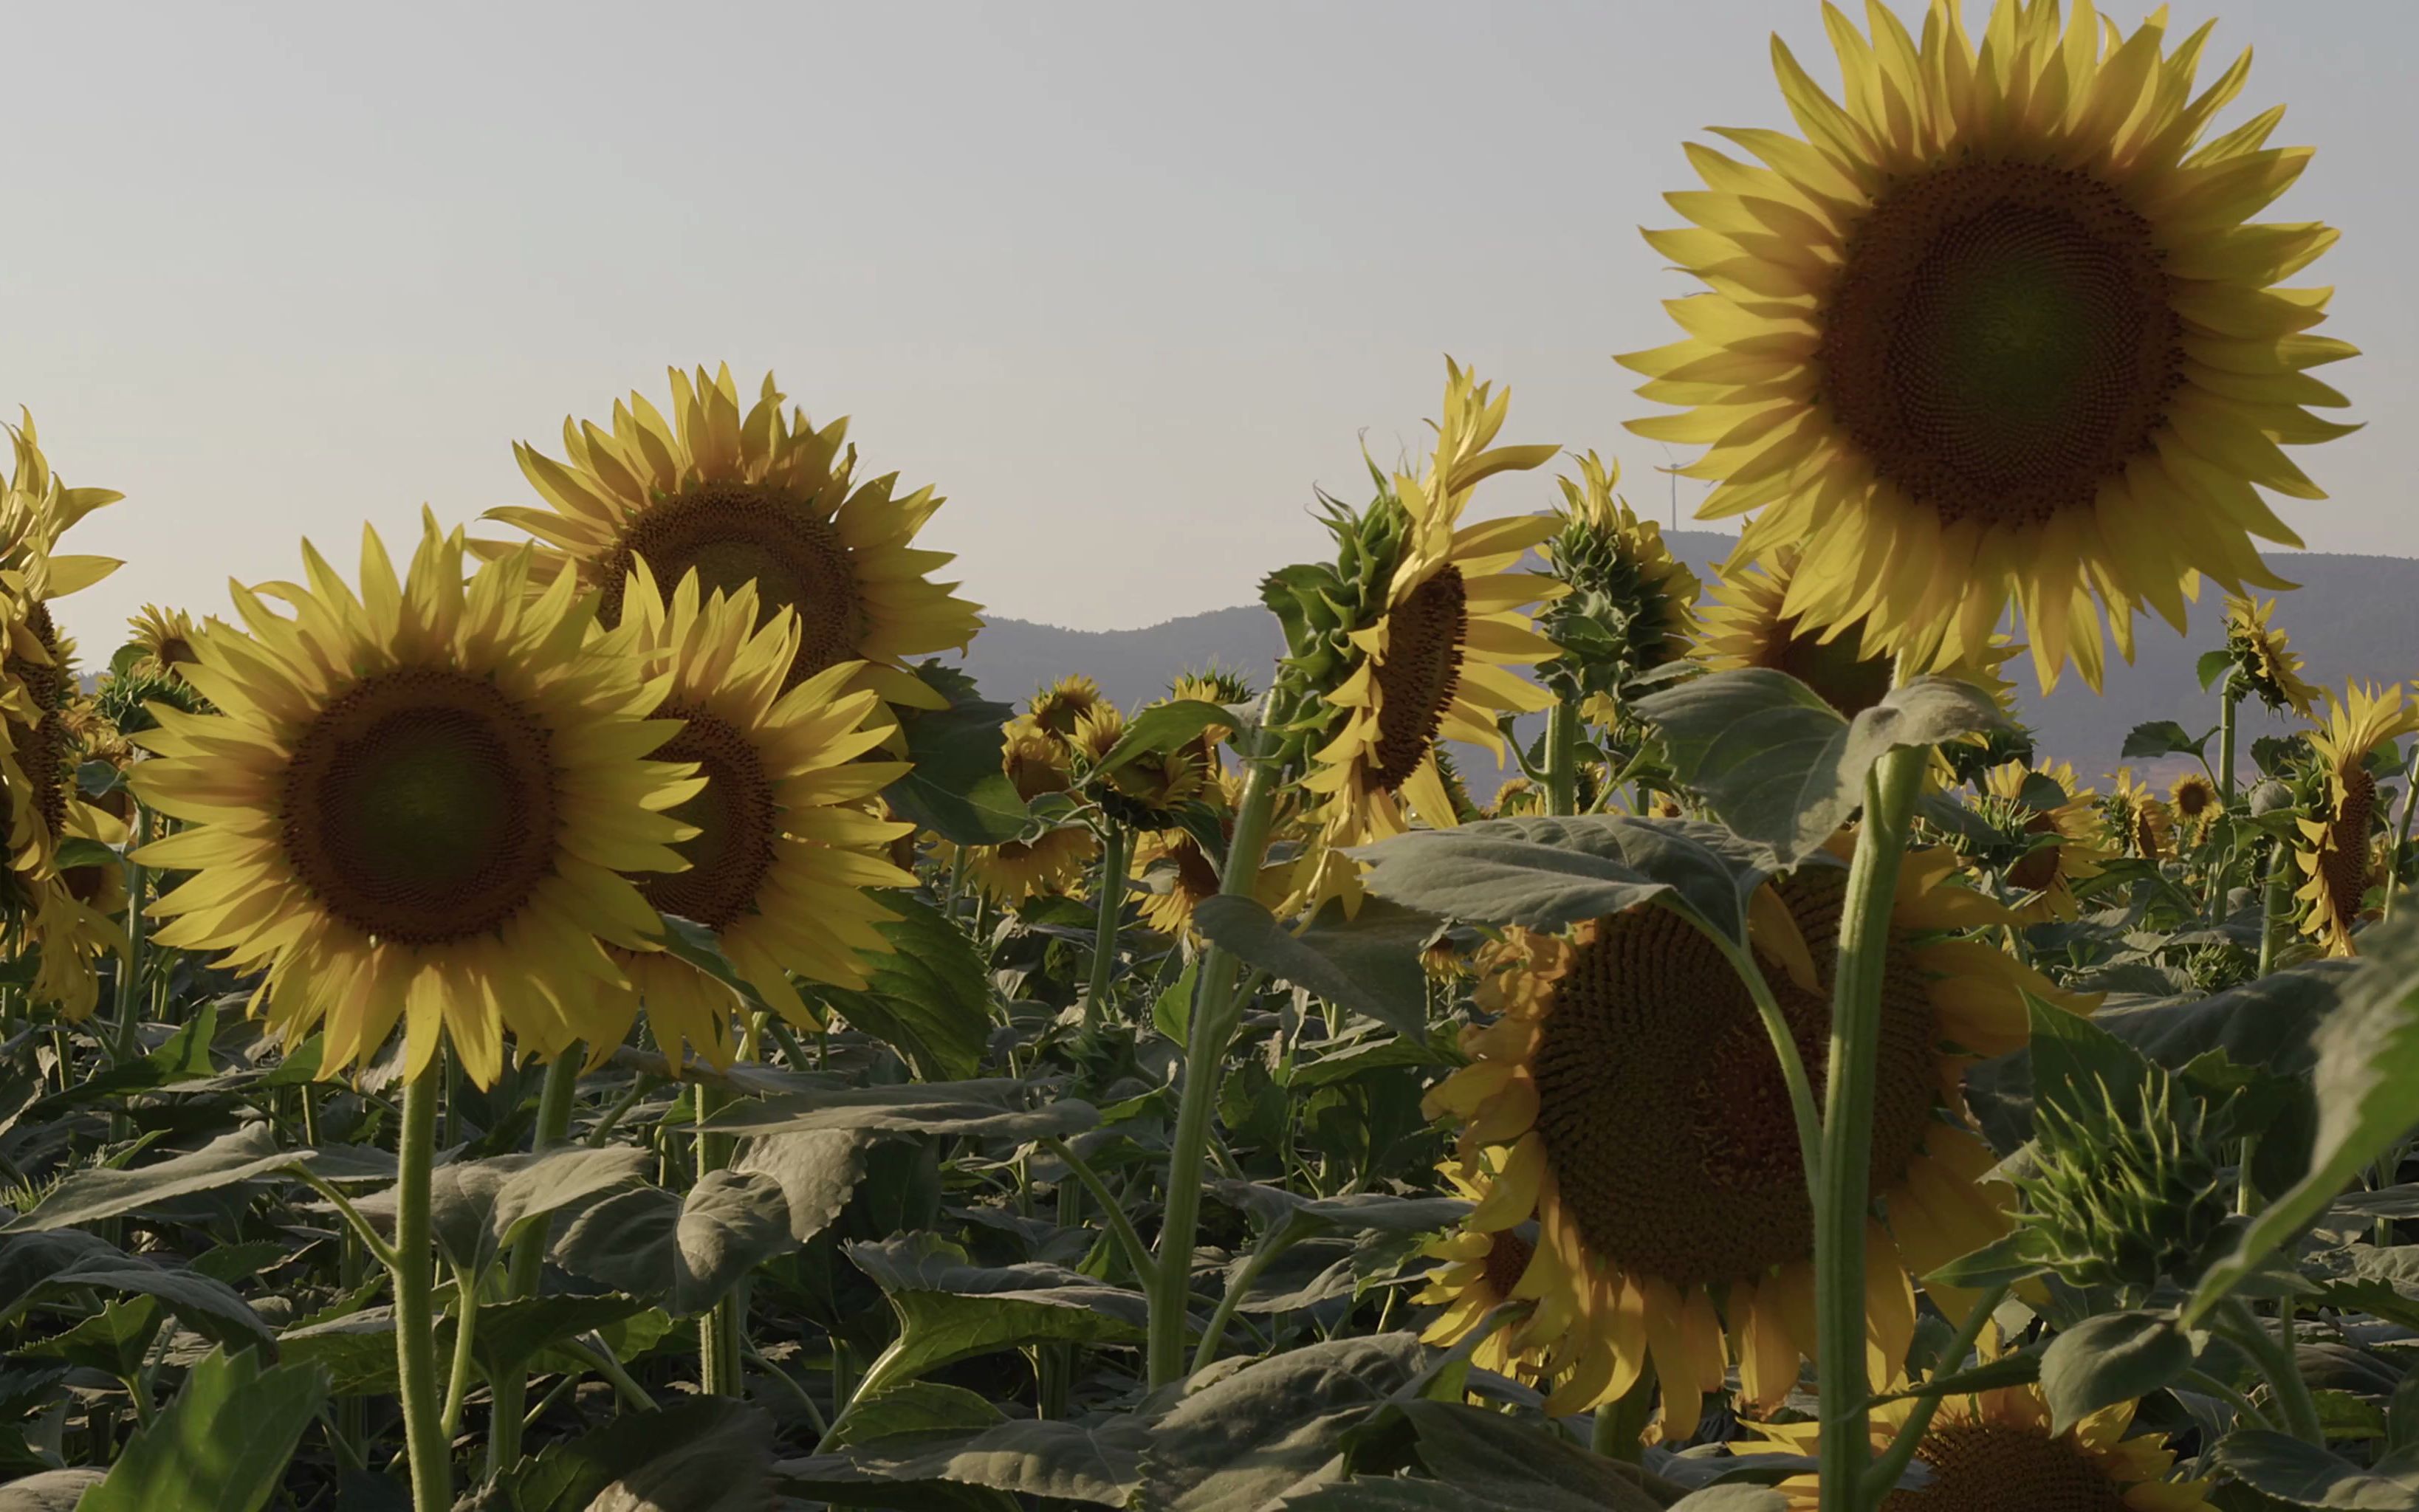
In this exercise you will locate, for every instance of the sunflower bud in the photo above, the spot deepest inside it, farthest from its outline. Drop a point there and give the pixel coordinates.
(2124, 1192)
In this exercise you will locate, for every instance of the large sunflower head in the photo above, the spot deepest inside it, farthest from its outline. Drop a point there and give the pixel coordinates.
(1995, 329)
(1642, 1119)
(760, 497)
(2338, 852)
(2136, 821)
(1992, 1451)
(1631, 603)
(417, 804)
(1421, 654)
(2267, 663)
(2054, 829)
(785, 844)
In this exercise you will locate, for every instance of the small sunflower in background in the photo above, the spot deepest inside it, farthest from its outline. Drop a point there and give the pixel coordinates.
(1630, 604)
(1749, 625)
(41, 912)
(2339, 851)
(2195, 802)
(165, 637)
(2136, 821)
(1174, 875)
(1516, 795)
(2262, 656)
(1992, 1451)
(1628, 1100)
(756, 497)
(1426, 654)
(1149, 792)
(783, 852)
(417, 805)
(1038, 763)
(1999, 330)
(2060, 824)
(1060, 706)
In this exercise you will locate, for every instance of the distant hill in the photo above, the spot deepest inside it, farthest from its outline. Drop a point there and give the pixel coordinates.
(2352, 616)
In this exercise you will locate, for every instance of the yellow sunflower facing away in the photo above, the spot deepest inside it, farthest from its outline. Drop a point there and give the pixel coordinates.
(1992, 1451)
(1175, 874)
(1482, 1270)
(1036, 763)
(2338, 854)
(1996, 328)
(758, 497)
(2137, 820)
(1435, 664)
(785, 845)
(2268, 661)
(1748, 625)
(2048, 871)
(416, 805)
(1629, 1100)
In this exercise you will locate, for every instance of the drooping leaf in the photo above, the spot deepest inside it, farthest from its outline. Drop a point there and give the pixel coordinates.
(223, 1442)
(2157, 738)
(2111, 1358)
(687, 1248)
(89, 1196)
(951, 1309)
(816, 1171)
(38, 1263)
(957, 787)
(929, 996)
(1369, 963)
(1780, 766)
(1246, 1438)
(477, 1207)
(2279, 1465)
(1164, 727)
(992, 1108)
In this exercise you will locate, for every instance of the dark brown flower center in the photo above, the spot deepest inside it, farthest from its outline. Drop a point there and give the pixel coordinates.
(1418, 675)
(2039, 867)
(2344, 868)
(420, 807)
(734, 533)
(1847, 681)
(1662, 1107)
(737, 820)
(1507, 1258)
(2007, 1467)
(2001, 339)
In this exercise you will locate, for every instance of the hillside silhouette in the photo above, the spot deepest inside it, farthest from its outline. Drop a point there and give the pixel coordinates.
(2352, 616)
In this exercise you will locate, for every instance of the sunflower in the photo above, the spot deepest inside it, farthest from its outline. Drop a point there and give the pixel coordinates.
(1059, 706)
(1481, 1270)
(2268, 663)
(416, 805)
(165, 637)
(1515, 795)
(2338, 854)
(784, 846)
(1640, 1118)
(1431, 660)
(1176, 874)
(2195, 801)
(1996, 330)
(1146, 792)
(1748, 625)
(2047, 871)
(1630, 605)
(1036, 763)
(1992, 1451)
(2136, 821)
(762, 498)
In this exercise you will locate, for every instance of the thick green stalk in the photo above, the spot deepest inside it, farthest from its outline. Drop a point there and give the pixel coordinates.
(1212, 1024)
(2401, 831)
(1619, 1431)
(1840, 1215)
(129, 974)
(2276, 905)
(718, 1330)
(528, 1264)
(2229, 695)
(466, 1335)
(415, 1324)
(1562, 759)
(1104, 923)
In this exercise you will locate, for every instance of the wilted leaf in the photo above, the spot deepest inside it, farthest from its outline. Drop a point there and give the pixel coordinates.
(686, 1248)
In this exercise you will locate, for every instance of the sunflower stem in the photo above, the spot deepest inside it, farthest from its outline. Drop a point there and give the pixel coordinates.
(1104, 925)
(412, 1272)
(2278, 1363)
(1620, 1429)
(2401, 832)
(1562, 759)
(130, 975)
(1793, 1065)
(1883, 1476)
(466, 1332)
(2229, 697)
(1842, 1210)
(717, 1329)
(1214, 1016)
(527, 1263)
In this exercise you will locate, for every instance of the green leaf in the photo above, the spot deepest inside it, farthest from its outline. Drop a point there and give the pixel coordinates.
(1780, 766)
(2402, 1414)
(707, 1455)
(990, 1109)
(2366, 1086)
(2212, 666)
(2160, 737)
(33, 1265)
(929, 997)
(510, 1333)
(2279, 1465)
(75, 851)
(223, 1444)
(1546, 872)
(2072, 1059)
(1530, 1467)
(816, 1172)
(89, 1196)
(2112, 1358)
(2004, 1261)
(687, 1248)
(112, 1340)
(949, 1309)
(1369, 963)
(477, 1206)
(921, 1407)
(1097, 1462)
(957, 788)
(1245, 1437)
(1164, 727)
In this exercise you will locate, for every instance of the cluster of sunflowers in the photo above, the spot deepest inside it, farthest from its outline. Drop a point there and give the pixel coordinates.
(1992, 347)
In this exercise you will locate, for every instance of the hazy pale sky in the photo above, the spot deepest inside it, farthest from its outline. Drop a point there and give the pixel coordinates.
(1123, 281)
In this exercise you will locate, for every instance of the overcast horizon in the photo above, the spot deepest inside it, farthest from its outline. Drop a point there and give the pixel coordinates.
(1123, 283)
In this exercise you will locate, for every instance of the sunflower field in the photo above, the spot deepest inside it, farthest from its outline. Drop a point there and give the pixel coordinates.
(590, 1009)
